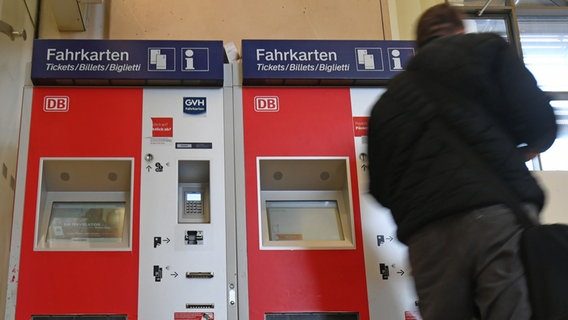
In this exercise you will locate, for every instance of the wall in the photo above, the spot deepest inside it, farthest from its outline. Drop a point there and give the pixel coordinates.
(404, 15)
(234, 20)
(14, 66)
(95, 17)
(227, 20)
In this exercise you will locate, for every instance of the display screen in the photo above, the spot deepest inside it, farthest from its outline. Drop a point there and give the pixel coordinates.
(86, 222)
(193, 196)
(304, 220)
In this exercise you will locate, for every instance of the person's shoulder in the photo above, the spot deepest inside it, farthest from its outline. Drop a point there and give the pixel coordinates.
(402, 85)
(402, 79)
(485, 38)
(478, 44)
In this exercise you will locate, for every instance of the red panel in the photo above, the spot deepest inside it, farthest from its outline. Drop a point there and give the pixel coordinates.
(99, 123)
(306, 122)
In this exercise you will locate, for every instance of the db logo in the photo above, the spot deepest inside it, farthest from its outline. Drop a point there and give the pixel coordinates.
(266, 104)
(55, 104)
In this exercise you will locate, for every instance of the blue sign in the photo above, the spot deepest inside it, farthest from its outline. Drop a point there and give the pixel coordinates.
(195, 105)
(325, 62)
(127, 62)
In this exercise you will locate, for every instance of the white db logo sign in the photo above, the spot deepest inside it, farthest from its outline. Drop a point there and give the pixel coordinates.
(266, 104)
(56, 104)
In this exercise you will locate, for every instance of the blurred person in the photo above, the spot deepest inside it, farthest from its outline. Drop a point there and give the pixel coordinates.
(463, 243)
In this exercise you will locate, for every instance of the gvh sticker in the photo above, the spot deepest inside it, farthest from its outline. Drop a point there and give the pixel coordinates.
(266, 104)
(162, 127)
(56, 104)
(194, 105)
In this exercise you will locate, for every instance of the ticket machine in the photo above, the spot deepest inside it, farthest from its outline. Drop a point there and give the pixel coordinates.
(318, 246)
(123, 193)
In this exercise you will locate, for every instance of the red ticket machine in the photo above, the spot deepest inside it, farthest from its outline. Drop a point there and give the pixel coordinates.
(305, 253)
(78, 252)
(314, 236)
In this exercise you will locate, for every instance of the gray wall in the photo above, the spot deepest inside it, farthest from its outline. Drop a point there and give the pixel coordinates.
(14, 65)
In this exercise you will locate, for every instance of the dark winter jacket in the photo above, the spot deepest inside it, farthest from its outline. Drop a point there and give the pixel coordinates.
(477, 86)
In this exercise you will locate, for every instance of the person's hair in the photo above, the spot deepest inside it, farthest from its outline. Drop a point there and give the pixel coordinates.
(439, 20)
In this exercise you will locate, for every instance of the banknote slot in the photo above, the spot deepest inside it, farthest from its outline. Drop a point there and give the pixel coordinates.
(199, 275)
(199, 306)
